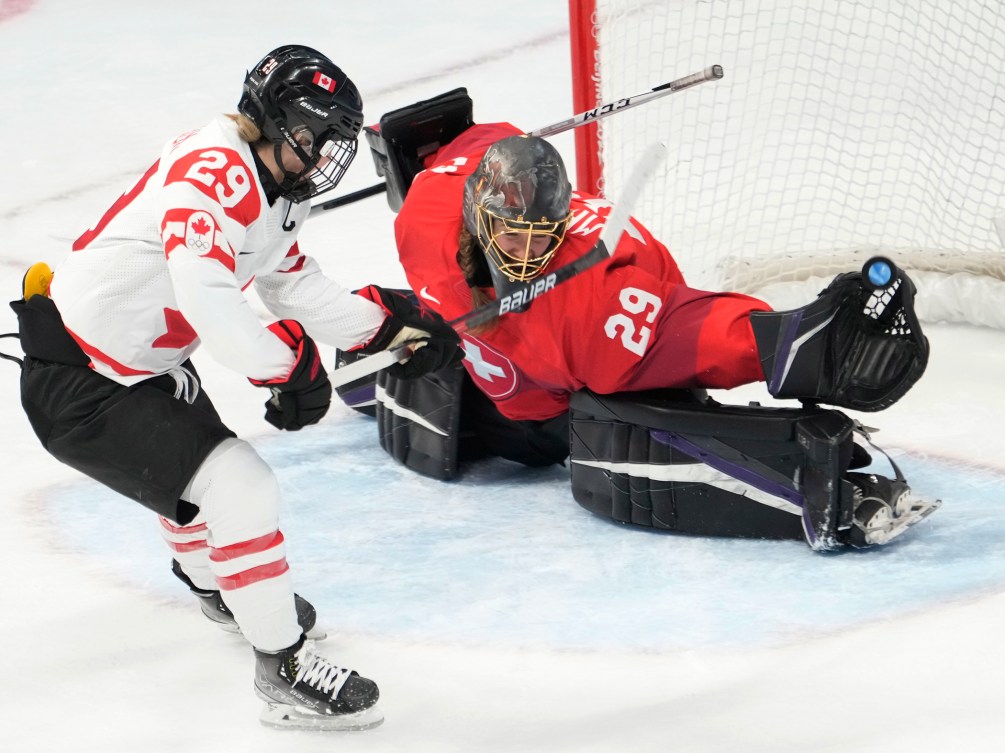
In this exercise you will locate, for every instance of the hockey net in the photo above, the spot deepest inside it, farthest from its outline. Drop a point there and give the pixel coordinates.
(840, 130)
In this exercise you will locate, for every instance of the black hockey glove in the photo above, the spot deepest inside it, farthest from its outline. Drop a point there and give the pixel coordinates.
(302, 398)
(438, 347)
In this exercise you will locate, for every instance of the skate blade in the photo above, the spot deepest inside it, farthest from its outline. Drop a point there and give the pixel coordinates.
(895, 527)
(282, 716)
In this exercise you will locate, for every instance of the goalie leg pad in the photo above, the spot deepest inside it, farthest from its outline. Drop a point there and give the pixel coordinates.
(695, 466)
(626, 465)
(419, 420)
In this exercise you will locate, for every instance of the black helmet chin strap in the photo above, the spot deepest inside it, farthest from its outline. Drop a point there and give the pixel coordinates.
(293, 180)
(272, 189)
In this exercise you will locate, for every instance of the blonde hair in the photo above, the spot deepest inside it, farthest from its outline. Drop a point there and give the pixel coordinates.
(246, 128)
(467, 247)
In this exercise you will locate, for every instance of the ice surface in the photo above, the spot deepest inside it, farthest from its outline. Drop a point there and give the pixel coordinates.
(495, 613)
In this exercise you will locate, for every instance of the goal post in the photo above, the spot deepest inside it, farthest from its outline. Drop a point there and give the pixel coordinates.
(585, 92)
(840, 130)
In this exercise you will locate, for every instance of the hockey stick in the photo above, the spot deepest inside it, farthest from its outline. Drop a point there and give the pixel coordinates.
(711, 73)
(614, 227)
(600, 112)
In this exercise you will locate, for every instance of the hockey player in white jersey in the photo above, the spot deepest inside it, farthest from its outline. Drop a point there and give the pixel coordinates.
(109, 389)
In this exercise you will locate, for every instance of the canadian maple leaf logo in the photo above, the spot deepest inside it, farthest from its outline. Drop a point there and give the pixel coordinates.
(325, 82)
(200, 226)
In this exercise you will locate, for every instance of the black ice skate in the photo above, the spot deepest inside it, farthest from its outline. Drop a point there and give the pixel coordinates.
(884, 509)
(216, 611)
(303, 690)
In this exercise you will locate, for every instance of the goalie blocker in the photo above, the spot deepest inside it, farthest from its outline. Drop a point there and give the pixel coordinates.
(404, 137)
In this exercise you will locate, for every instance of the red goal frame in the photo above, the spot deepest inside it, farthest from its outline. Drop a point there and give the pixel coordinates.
(586, 93)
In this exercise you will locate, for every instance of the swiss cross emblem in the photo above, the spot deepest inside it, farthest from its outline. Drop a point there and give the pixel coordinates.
(325, 82)
(491, 370)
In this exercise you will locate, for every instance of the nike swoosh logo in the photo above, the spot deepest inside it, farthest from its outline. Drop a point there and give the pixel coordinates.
(424, 293)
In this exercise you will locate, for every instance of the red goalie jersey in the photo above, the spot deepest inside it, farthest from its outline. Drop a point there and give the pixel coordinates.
(628, 323)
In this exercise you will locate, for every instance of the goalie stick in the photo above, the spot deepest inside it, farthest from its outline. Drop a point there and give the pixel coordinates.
(521, 295)
(599, 112)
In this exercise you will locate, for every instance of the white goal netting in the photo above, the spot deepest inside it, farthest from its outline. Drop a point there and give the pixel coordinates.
(840, 130)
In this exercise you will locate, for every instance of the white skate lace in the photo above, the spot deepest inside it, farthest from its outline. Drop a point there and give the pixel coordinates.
(316, 671)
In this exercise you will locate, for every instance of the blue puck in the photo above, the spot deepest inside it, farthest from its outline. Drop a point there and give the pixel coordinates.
(880, 273)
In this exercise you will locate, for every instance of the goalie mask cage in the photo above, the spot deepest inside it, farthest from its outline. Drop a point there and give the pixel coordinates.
(840, 130)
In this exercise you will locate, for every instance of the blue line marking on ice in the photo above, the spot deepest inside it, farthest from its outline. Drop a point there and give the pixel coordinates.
(505, 556)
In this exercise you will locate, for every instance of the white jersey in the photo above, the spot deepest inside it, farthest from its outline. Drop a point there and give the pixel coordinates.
(166, 266)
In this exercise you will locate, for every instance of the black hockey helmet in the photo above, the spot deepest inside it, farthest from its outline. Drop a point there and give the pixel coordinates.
(297, 96)
(519, 187)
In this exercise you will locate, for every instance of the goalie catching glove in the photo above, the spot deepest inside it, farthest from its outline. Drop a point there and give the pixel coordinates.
(437, 344)
(303, 397)
(859, 345)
